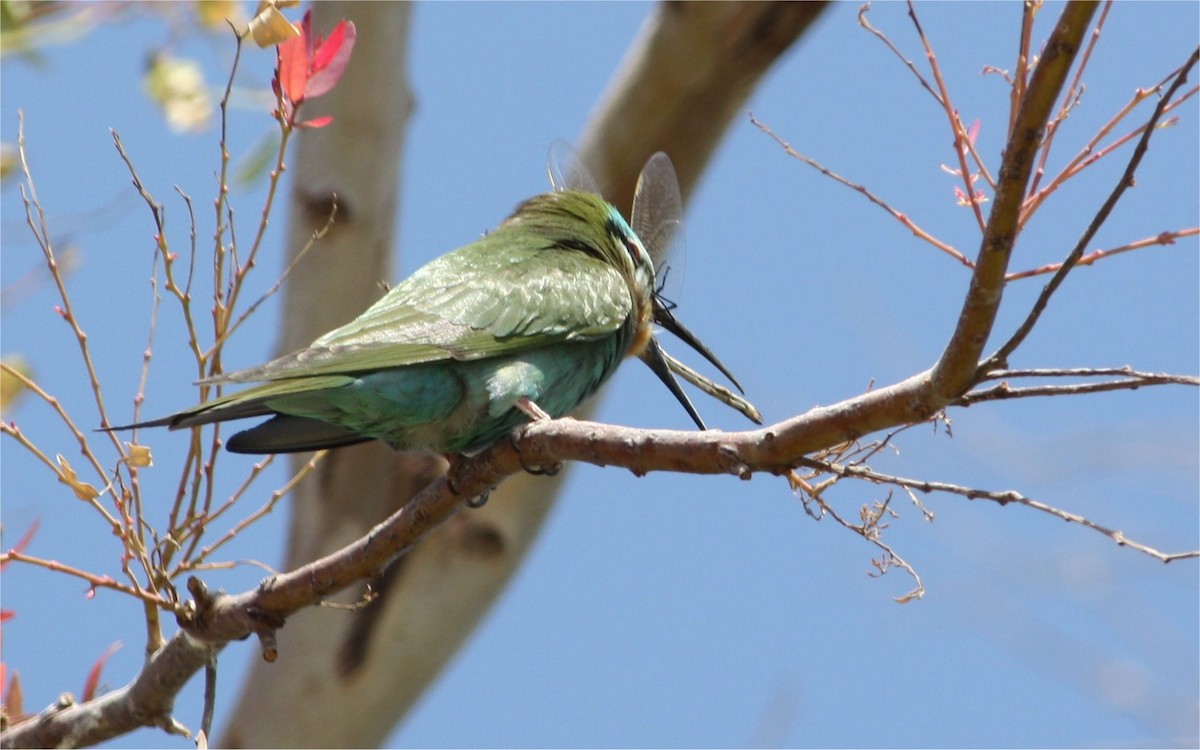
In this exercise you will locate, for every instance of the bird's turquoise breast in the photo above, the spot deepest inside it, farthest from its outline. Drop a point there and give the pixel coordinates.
(457, 407)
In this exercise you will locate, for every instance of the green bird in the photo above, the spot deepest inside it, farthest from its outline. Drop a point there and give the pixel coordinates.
(522, 324)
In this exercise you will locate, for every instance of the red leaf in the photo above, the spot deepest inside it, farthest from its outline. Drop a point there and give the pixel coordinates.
(330, 59)
(25, 538)
(93, 678)
(293, 56)
(316, 122)
(325, 49)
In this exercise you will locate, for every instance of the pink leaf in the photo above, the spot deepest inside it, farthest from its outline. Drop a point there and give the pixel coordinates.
(330, 59)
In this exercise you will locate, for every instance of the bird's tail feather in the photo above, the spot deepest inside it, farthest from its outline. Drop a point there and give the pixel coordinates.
(287, 434)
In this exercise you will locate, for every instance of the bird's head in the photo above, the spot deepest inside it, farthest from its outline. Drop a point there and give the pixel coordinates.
(578, 218)
(584, 222)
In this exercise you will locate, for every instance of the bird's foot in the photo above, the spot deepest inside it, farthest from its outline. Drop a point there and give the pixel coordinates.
(535, 469)
(530, 408)
(544, 471)
(537, 414)
(475, 501)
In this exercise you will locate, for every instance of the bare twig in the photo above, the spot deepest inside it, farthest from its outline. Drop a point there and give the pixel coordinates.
(193, 560)
(901, 217)
(93, 580)
(1089, 154)
(1003, 391)
(193, 533)
(157, 213)
(1020, 78)
(862, 21)
(1164, 238)
(869, 528)
(962, 142)
(1150, 378)
(1126, 180)
(1002, 498)
(291, 266)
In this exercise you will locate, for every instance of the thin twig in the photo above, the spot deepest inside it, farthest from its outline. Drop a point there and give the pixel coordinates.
(1153, 378)
(962, 141)
(1089, 155)
(291, 266)
(1165, 238)
(870, 529)
(862, 21)
(1003, 498)
(1020, 78)
(1002, 391)
(902, 218)
(94, 581)
(192, 560)
(193, 533)
(1002, 354)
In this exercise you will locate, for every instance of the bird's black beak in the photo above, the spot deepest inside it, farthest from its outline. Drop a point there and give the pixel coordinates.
(652, 355)
(664, 318)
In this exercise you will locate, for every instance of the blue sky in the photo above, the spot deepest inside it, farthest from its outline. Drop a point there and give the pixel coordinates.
(702, 611)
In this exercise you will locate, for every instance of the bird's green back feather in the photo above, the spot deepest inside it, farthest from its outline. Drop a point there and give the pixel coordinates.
(543, 277)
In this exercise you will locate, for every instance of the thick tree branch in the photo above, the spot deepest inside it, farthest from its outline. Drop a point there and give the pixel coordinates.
(687, 75)
(147, 701)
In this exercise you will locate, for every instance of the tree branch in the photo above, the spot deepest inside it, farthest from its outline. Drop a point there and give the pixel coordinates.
(1129, 380)
(213, 621)
(1002, 498)
(1000, 358)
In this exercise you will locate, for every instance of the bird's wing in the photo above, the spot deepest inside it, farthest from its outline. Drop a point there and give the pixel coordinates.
(484, 300)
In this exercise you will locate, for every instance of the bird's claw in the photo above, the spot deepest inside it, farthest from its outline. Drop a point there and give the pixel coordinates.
(544, 471)
(514, 439)
(475, 501)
